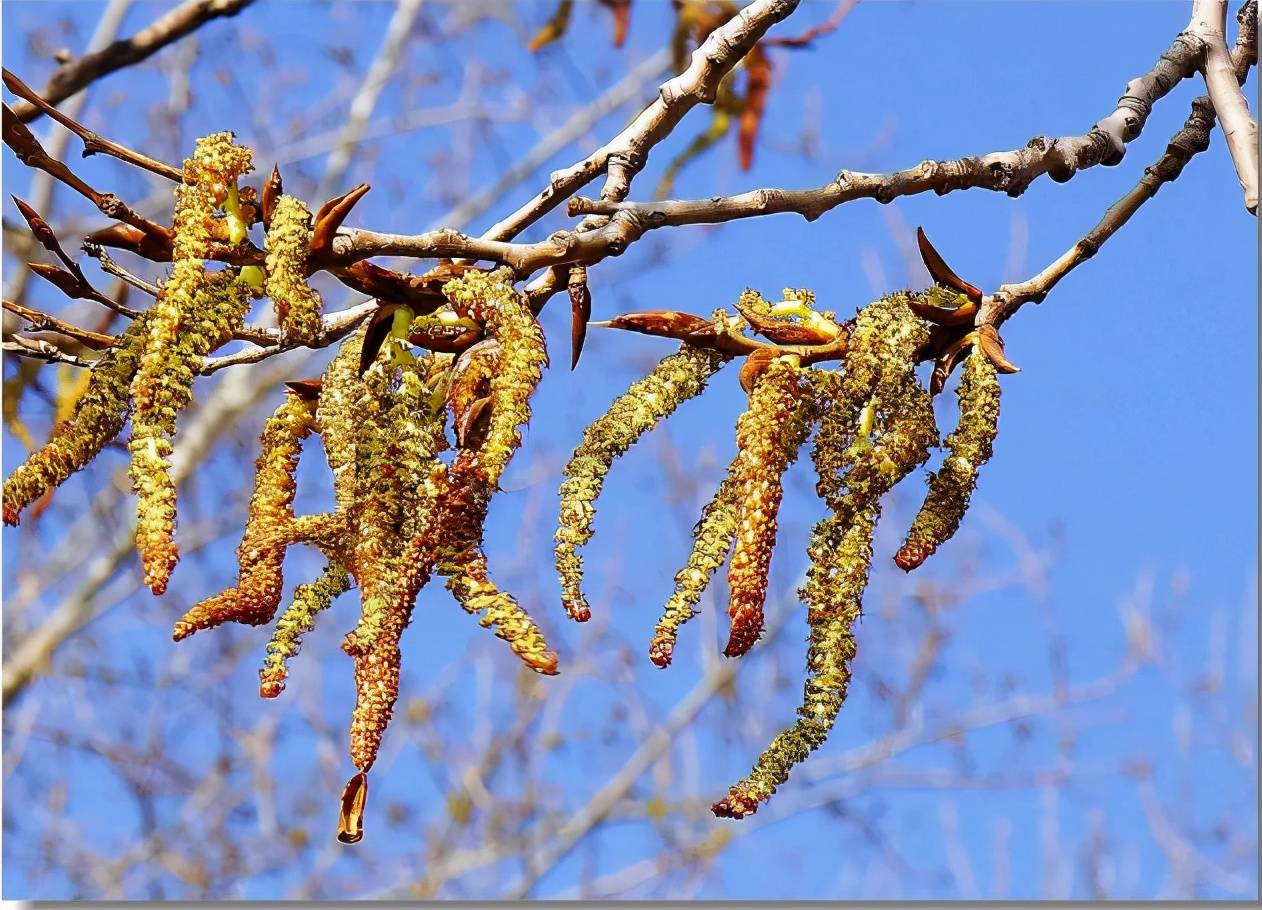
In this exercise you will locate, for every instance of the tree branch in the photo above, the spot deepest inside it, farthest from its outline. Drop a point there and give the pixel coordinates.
(624, 155)
(1191, 140)
(1011, 171)
(1240, 130)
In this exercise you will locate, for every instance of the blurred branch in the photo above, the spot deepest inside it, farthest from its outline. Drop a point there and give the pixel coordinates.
(622, 92)
(383, 66)
(72, 77)
(38, 349)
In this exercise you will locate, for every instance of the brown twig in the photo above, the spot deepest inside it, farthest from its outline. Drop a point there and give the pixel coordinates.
(29, 151)
(92, 143)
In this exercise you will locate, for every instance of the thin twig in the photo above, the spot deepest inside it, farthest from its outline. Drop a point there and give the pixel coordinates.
(38, 320)
(109, 266)
(38, 349)
(92, 143)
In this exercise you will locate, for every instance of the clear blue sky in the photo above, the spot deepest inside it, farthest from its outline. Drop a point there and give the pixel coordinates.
(1130, 434)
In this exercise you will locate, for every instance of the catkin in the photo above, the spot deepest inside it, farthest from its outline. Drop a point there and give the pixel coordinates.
(677, 378)
(968, 448)
(490, 298)
(98, 418)
(768, 436)
(298, 619)
(840, 558)
(298, 305)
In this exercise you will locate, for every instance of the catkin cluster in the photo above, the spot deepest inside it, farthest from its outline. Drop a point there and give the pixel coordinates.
(874, 424)
(402, 513)
(147, 372)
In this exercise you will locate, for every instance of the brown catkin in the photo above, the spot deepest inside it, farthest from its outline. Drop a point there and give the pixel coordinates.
(768, 436)
(268, 527)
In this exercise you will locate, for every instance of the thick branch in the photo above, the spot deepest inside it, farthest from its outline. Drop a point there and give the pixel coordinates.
(73, 77)
(1240, 130)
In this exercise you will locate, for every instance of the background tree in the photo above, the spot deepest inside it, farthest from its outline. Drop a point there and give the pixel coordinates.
(529, 786)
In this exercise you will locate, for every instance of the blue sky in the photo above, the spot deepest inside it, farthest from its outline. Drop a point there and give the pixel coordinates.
(1128, 442)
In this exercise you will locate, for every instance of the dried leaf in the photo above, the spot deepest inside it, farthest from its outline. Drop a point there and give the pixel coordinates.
(554, 28)
(350, 818)
(757, 87)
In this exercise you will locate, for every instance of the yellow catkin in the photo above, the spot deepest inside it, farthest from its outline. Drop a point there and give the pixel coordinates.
(876, 425)
(489, 298)
(386, 432)
(677, 378)
(298, 305)
(768, 436)
(298, 619)
(268, 528)
(212, 307)
(196, 311)
(712, 539)
(841, 555)
(968, 448)
(499, 611)
(99, 416)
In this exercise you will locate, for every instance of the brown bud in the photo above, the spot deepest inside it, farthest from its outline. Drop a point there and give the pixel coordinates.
(992, 346)
(961, 315)
(664, 323)
(306, 389)
(272, 190)
(331, 216)
(580, 311)
(941, 272)
(68, 284)
(754, 366)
